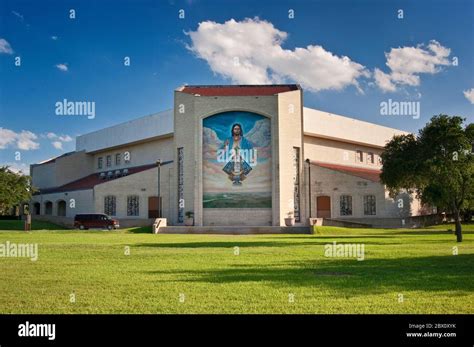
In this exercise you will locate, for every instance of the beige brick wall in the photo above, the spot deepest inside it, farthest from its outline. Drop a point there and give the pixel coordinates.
(78, 201)
(140, 154)
(285, 113)
(43, 175)
(326, 182)
(242, 216)
(325, 124)
(290, 135)
(185, 136)
(188, 134)
(63, 170)
(143, 184)
(338, 152)
(72, 167)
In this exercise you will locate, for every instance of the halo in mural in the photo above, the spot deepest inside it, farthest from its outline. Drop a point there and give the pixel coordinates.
(237, 161)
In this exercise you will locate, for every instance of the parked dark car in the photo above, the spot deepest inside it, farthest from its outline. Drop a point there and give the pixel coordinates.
(95, 220)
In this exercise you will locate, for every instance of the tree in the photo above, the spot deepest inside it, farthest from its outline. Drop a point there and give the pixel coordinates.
(437, 164)
(14, 189)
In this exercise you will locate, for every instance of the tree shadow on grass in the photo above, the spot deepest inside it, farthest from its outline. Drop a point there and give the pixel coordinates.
(242, 243)
(387, 233)
(11, 225)
(348, 277)
(140, 230)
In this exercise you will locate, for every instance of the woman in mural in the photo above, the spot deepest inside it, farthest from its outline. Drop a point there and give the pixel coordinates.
(236, 153)
(237, 146)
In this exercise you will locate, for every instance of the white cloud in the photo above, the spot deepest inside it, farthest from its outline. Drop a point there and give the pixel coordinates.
(5, 47)
(7, 137)
(384, 81)
(469, 94)
(251, 52)
(59, 139)
(23, 140)
(65, 138)
(54, 37)
(57, 144)
(62, 67)
(407, 63)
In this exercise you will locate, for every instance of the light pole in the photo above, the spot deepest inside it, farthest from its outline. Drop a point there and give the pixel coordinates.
(158, 164)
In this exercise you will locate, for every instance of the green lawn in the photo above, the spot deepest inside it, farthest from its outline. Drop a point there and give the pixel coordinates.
(270, 268)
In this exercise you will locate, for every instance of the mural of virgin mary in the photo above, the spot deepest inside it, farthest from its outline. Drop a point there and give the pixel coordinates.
(237, 168)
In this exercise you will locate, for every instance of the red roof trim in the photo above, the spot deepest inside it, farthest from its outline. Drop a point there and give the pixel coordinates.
(239, 90)
(368, 174)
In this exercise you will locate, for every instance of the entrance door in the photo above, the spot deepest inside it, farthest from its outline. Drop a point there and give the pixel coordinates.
(323, 205)
(154, 207)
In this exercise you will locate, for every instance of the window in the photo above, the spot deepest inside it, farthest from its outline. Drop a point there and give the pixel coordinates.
(110, 205)
(109, 161)
(345, 205)
(359, 156)
(117, 159)
(370, 158)
(369, 205)
(100, 162)
(133, 207)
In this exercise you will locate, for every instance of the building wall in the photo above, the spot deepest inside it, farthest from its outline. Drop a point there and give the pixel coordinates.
(136, 130)
(73, 167)
(185, 136)
(78, 201)
(240, 217)
(290, 136)
(62, 170)
(338, 152)
(326, 182)
(140, 154)
(43, 175)
(143, 184)
(325, 124)
(190, 110)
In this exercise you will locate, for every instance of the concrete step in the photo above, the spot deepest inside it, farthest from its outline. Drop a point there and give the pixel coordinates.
(234, 230)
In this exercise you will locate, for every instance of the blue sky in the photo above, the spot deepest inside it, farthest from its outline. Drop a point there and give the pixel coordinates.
(82, 59)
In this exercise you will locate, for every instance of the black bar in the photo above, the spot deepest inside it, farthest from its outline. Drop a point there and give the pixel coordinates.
(316, 330)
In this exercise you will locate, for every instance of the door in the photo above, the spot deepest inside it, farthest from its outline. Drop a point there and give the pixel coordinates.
(323, 206)
(154, 207)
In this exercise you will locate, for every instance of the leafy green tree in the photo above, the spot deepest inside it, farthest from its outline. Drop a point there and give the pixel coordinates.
(437, 164)
(15, 189)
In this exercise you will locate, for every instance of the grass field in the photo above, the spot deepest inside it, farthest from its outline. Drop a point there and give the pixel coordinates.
(270, 270)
